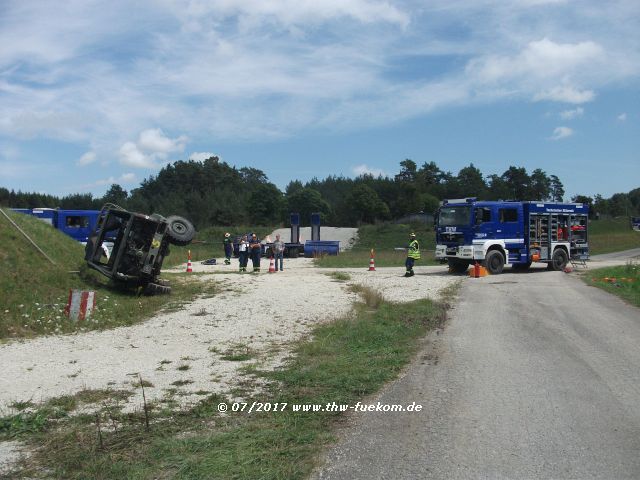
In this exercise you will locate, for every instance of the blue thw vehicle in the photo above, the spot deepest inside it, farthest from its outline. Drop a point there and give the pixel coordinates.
(499, 233)
(78, 224)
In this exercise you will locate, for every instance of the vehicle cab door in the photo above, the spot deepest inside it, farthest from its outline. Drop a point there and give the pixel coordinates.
(510, 228)
(484, 227)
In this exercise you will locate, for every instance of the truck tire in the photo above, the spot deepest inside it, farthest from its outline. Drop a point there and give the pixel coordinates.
(180, 230)
(494, 262)
(457, 266)
(559, 260)
(156, 289)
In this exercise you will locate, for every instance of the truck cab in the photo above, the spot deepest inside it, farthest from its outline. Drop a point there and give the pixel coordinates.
(499, 233)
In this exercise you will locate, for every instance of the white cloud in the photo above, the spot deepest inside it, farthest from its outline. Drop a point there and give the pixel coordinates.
(201, 156)
(565, 94)
(622, 117)
(87, 159)
(131, 156)
(155, 141)
(124, 179)
(152, 146)
(264, 69)
(561, 132)
(571, 114)
(539, 59)
(293, 12)
(367, 170)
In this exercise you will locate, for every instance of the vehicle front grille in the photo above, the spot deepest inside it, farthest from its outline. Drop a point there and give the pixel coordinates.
(452, 239)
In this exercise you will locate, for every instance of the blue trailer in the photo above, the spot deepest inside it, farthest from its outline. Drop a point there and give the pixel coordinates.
(78, 224)
(499, 233)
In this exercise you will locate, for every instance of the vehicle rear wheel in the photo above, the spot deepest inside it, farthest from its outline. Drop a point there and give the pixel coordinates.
(559, 260)
(156, 289)
(180, 230)
(494, 262)
(457, 266)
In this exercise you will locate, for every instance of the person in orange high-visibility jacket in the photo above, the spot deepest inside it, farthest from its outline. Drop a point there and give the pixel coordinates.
(413, 254)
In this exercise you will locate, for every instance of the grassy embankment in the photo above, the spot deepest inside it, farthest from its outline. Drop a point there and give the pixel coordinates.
(623, 281)
(33, 292)
(344, 361)
(383, 238)
(612, 235)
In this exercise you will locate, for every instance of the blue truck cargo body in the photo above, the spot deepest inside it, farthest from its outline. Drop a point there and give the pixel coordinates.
(518, 233)
(321, 247)
(78, 224)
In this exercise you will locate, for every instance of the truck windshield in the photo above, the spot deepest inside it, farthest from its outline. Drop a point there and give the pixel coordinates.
(455, 216)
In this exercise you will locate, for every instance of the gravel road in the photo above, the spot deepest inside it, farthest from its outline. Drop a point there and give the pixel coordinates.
(537, 375)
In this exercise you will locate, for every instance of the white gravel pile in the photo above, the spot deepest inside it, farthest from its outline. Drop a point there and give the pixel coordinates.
(346, 236)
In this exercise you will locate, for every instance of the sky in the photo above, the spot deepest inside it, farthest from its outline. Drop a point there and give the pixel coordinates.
(94, 93)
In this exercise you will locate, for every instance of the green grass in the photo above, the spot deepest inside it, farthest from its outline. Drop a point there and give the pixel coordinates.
(343, 362)
(612, 235)
(340, 276)
(623, 281)
(383, 239)
(34, 419)
(33, 292)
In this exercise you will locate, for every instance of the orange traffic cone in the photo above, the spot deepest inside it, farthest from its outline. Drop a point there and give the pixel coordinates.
(272, 266)
(372, 265)
(189, 267)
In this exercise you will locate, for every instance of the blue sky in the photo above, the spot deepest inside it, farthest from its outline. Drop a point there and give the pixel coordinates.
(94, 93)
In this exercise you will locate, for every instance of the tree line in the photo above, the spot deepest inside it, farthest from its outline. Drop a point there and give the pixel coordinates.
(212, 192)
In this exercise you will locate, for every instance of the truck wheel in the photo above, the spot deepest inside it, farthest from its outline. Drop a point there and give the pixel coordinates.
(494, 262)
(559, 260)
(180, 230)
(156, 289)
(457, 266)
